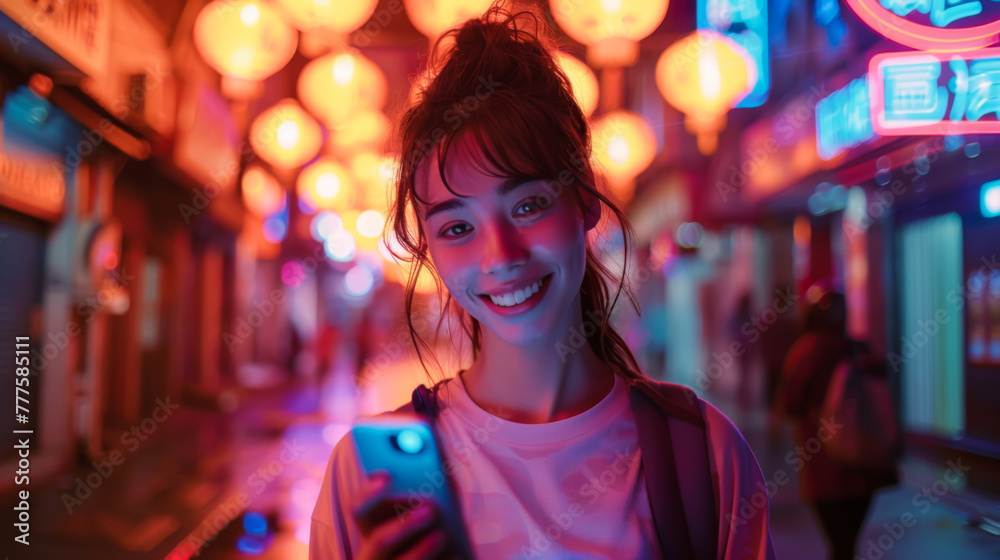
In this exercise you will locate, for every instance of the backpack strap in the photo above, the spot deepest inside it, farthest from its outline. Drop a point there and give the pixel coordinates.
(674, 443)
(424, 401)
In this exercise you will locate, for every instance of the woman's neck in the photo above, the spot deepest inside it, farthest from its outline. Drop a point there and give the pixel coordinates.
(537, 383)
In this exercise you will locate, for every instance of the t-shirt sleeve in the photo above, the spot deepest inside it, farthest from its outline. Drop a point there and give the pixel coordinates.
(744, 515)
(333, 534)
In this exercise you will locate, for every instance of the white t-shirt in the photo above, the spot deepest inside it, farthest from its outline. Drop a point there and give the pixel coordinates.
(573, 488)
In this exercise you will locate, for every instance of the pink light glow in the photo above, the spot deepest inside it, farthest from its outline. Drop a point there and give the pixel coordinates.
(876, 94)
(918, 36)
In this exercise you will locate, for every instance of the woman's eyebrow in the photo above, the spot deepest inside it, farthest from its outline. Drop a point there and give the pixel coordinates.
(502, 189)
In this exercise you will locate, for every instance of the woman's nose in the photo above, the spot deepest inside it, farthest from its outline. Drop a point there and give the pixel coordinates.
(504, 248)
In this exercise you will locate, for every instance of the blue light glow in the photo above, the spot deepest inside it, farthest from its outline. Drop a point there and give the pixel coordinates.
(989, 199)
(941, 13)
(255, 523)
(250, 545)
(410, 441)
(843, 119)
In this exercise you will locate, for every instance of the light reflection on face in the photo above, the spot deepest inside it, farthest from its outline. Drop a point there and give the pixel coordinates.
(486, 240)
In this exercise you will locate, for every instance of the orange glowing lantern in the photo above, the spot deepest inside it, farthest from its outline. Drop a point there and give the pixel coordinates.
(611, 29)
(374, 175)
(434, 17)
(285, 135)
(326, 185)
(365, 130)
(624, 146)
(325, 23)
(262, 194)
(244, 40)
(338, 86)
(581, 79)
(704, 75)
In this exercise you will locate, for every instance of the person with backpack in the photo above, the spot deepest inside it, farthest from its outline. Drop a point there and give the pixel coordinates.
(823, 391)
(556, 443)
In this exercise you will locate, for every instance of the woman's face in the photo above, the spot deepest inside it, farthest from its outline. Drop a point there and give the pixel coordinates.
(511, 253)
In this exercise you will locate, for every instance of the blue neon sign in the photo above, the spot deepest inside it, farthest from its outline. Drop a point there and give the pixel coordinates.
(936, 93)
(743, 21)
(843, 119)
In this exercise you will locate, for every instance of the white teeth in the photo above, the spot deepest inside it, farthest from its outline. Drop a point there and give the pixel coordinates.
(517, 296)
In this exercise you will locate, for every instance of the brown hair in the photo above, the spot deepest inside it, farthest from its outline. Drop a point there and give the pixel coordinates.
(496, 78)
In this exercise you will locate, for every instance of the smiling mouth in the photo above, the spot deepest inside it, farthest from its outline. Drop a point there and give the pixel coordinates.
(517, 297)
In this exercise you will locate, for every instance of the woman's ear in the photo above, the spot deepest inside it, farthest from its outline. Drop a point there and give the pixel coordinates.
(591, 210)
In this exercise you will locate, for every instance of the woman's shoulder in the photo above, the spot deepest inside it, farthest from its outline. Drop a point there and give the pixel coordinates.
(680, 400)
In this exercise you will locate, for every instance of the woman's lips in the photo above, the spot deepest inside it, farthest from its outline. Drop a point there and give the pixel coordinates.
(523, 307)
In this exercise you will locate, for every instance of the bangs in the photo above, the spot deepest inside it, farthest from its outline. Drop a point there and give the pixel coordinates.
(511, 138)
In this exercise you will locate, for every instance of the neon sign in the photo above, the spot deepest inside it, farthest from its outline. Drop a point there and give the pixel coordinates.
(743, 21)
(843, 119)
(935, 93)
(927, 24)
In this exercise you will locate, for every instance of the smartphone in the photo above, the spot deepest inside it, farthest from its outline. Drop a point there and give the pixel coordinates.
(404, 445)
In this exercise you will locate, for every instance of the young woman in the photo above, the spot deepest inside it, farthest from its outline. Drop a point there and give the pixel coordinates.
(496, 195)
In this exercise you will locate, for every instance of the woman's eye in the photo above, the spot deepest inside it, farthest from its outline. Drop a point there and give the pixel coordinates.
(531, 206)
(455, 230)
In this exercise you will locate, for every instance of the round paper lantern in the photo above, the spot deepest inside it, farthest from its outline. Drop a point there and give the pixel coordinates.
(328, 15)
(704, 75)
(581, 79)
(326, 185)
(364, 131)
(326, 23)
(611, 29)
(262, 194)
(623, 146)
(338, 86)
(434, 17)
(285, 135)
(244, 39)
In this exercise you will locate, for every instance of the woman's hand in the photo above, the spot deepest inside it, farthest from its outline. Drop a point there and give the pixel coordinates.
(386, 535)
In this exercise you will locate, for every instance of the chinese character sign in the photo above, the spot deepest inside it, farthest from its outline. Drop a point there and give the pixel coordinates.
(938, 25)
(843, 120)
(935, 93)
